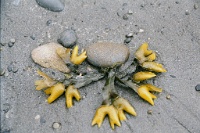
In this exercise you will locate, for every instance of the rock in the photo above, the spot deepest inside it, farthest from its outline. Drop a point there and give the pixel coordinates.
(56, 125)
(129, 35)
(12, 40)
(125, 17)
(2, 72)
(10, 44)
(49, 22)
(107, 54)
(187, 12)
(46, 56)
(32, 37)
(127, 40)
(9, 68)
(67, 38)
(52, 5)
(197, 87)
(195, 6)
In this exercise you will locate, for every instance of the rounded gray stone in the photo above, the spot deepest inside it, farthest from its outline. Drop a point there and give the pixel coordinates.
(107, 54)
(52, 5)
(67, 38)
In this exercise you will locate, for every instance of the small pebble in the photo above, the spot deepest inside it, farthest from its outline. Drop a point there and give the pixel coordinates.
(172, 76)
(48, 22)
(14, 69)
(56, 125)
(129, 35)
(149, 112)
(12, 40)
(177, 2)
(141, 30)
(195, 6)
(3, 44)
(42, 120)
(125, 17)
(187, 12)
(32, 37)
(130, 12)
(10, 44)
(9, 68)
(168, 97)
(197, 87)
(67, 38)
(37, 117)
(2, 72)
(127, 40)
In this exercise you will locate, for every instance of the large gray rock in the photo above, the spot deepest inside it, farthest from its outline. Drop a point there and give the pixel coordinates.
(107, 54)
(46, 56)
(52, 5)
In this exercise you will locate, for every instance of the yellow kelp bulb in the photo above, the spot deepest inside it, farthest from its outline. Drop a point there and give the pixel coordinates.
(122, 105)
(153, 66)
(55, 92)
(104, 110)
(77, 59)
(151, 57)
(71, 92)
(140, 76)
(144, 92)
(46, 82)
(142, 52)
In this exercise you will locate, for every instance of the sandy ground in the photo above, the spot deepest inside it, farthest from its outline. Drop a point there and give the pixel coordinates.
(171, 27)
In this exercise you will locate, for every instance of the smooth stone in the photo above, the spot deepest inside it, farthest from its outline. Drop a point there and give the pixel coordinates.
(127, 40)
(107, 54)
(197, 87)
(52, 5)
(67, 38)
(46, 56)
(48, 22)
(2, 72)
(10, 44)
(125, 17)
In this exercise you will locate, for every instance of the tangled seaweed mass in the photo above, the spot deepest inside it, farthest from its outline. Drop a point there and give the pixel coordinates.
(71, 63)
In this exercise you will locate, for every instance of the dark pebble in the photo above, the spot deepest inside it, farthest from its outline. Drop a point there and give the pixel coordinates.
(6, 107)
(125, 17)
(48, 22)
(32, 37)
(172, 76)
(3, 44)
(67, 38)
(10, 44)
(127, 40)
(187, 12)
(2, 72)
(52, 5)
(14, 69)
(9, 68)
(197, 87)
(124, 4)
(177, 2)
(42, 120)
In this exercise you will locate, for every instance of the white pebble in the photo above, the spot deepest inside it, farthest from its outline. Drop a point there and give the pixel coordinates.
(37, 117)
(141, 30)
(56, 125)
